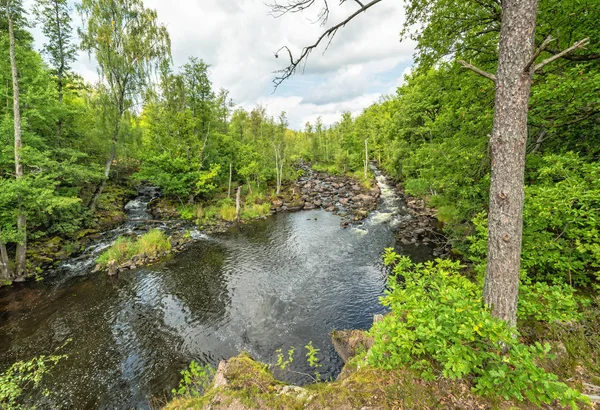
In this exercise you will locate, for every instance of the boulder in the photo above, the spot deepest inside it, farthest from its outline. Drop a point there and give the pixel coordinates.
(112, 268)
(348, 342)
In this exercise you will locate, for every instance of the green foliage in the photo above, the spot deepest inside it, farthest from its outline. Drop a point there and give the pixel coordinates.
(284, 363)
(313, 359)
(23, 377)
(254, 211)
(123, 249)
(194, 381)
(548, 303)
(438, 326)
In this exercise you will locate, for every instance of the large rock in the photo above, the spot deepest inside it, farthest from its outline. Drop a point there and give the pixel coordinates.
(348, 342)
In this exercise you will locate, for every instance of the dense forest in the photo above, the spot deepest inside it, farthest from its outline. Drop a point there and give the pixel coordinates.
(72, 150)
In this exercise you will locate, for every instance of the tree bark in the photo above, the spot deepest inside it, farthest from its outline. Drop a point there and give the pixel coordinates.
(238, 200)
(109, 161)
(230, 175)
(366, 158)
(508, 146)
(5, 273)
(21, 254)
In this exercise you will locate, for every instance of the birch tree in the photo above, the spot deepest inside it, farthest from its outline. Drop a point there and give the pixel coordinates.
(12, 11)
(128, 44)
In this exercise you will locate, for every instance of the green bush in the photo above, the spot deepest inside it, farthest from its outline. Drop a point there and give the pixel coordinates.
(23, 376)
(561, 227)
(439, 327)
(194, 381)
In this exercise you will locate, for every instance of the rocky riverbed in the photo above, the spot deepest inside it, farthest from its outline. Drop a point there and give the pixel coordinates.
(342, 195)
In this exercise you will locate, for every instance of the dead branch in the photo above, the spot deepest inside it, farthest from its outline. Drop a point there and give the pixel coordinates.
(577, 45)
(482, 73)
(300, 5)
(541, 48)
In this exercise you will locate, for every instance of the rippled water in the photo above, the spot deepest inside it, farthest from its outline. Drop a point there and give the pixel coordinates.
(271, 284)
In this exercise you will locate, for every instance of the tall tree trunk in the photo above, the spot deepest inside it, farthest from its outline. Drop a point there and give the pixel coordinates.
(508, 146)
(366, 158)
(21, 254)
(109, 161)
(60, 74)
(59, 123)
(238, 203)
(230, 175)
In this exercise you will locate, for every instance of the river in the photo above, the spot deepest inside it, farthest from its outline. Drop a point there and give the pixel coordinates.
(270, 284)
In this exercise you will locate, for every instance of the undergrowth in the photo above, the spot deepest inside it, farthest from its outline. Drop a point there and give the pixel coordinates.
(439, 327)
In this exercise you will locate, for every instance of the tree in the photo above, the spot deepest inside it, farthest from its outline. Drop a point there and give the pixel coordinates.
(508, 143)
(128, 44)
(54, 15)
(12, 10)
(516, 67)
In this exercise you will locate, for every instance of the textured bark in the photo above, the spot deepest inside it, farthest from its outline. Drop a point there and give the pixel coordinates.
(5, 273)
(238, 203)
(21, 254)
(230, 175)
(107, 166)
(508, 147)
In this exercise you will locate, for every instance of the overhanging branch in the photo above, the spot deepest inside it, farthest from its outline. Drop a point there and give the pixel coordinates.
(479, 71)
(330, 33)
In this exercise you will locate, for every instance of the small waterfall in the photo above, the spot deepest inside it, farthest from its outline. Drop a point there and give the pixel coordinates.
(137, 222)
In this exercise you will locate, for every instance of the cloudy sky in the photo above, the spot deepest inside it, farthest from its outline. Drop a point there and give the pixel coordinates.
(239, 38)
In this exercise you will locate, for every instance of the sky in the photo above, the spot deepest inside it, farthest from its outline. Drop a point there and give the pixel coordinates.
(239, 38)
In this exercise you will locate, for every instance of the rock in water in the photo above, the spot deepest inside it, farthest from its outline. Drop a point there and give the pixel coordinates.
(112, 268)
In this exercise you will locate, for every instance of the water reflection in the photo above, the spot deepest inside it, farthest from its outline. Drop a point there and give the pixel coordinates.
(272, 284)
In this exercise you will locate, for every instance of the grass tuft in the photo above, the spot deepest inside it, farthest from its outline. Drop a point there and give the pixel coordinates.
(124, 249)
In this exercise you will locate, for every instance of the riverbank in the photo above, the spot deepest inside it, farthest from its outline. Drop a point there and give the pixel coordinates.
(241, 383)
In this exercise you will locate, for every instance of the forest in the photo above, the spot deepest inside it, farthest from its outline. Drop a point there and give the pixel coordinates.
(74, 152)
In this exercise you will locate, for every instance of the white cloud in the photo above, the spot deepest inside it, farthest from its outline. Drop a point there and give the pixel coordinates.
(239, 39)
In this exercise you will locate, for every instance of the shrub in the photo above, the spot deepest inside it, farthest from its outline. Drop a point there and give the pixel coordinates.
(22, 376)
(227, 212)
(561, 228)
(191, 212)
(438, 326)
(195, 380)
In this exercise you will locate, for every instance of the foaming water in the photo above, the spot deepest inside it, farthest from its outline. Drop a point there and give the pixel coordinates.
(272, 284)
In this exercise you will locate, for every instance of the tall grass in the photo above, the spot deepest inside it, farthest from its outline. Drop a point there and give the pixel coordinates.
(124, 249)
(254, 211)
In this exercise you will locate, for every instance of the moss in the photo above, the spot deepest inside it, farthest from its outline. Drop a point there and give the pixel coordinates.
(247, 384)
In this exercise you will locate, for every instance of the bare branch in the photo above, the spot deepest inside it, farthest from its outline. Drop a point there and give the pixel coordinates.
(577, 57)
(482, 73)
(541, 48)
(577, 45)
(299, 5)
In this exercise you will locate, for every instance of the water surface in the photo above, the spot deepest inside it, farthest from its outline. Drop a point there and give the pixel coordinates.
(271, 284)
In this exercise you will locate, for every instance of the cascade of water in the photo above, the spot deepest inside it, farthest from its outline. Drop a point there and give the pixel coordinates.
(137, 214)
(391, 209)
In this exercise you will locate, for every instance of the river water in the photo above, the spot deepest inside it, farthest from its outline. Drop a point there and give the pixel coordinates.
(271, 284)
